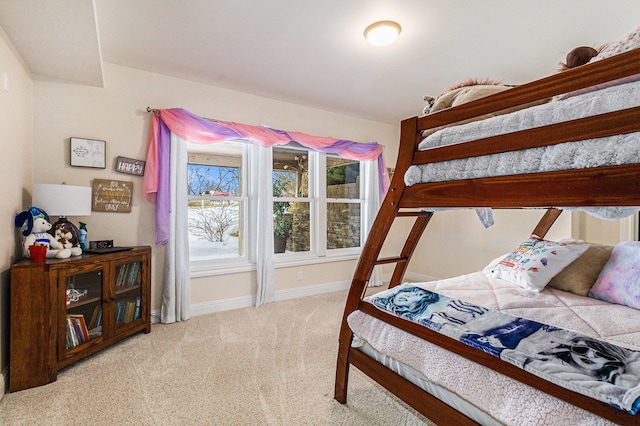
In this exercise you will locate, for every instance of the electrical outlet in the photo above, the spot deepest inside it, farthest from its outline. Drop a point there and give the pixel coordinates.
(300, 275)
(5, 81)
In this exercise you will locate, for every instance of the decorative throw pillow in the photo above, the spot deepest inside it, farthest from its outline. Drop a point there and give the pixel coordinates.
(581, 274)
(619, 281)
(630, 42)
(535, 262)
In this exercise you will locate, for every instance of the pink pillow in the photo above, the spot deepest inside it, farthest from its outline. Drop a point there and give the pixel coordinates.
(619, 280)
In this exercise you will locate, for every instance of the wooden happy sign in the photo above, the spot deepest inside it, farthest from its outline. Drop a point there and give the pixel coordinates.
(111, 196)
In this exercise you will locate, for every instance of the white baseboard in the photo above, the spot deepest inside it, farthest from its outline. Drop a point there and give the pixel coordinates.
(293, 293)
(248, 301)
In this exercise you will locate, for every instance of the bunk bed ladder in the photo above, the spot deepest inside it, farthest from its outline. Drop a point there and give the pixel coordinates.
(402, 261)
(370, 256)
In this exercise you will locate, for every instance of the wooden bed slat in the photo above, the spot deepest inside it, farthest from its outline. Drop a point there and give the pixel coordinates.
(599, 72)
(385, 260)
(601, 186)
(598, 126)
(421, 401)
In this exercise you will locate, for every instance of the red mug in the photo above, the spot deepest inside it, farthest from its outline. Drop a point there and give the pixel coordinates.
(38, 253)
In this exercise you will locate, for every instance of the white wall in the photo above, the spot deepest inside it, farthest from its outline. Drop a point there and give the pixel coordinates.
(455, 242)
(16, 127)
(117, 114)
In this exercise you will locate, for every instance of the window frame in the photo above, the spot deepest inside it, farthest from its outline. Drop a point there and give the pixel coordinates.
(317, 188)
(246, 261)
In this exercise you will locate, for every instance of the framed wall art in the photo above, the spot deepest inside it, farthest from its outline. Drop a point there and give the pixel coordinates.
(88, 153)
(130, 166)
(111, 196)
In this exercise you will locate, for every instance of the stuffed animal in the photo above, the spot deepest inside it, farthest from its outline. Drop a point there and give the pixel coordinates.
(579, 56)
(467, 91)
(34, 223)
(67, 234)
(462, 93)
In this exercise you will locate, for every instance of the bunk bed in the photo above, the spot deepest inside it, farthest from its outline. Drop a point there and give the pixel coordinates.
(608, 189)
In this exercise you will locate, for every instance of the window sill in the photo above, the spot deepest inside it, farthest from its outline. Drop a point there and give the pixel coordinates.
(199, 271)
(314, 260)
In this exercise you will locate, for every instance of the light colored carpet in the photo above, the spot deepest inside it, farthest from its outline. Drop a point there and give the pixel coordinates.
(272, 365)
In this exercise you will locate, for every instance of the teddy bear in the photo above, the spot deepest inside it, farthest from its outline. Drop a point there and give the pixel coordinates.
(67, 234)
(34, 223)
(462, 93)
(468, 91)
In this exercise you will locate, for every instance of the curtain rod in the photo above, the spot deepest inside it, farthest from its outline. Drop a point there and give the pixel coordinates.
(153, 110)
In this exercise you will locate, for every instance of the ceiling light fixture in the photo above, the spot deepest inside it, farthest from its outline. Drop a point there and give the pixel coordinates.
(382, 33)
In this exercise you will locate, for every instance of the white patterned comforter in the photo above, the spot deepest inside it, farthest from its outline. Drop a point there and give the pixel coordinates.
(507, 400)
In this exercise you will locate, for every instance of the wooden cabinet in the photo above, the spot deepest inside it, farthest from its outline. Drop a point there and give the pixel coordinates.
(63, 310)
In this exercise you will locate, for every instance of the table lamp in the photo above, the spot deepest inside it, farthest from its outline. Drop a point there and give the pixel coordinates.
(63, 200)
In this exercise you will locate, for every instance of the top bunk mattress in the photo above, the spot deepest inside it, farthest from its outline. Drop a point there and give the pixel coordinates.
(612, 150)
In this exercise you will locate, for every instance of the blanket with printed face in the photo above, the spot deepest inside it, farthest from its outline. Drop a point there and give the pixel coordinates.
(585, 365)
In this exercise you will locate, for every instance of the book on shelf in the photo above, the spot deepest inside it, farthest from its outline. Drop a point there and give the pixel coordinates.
(95, 332)
(129, 275)
(137, 310)
(81, 326)
(72, 338)
(128, 311)
(77, 331)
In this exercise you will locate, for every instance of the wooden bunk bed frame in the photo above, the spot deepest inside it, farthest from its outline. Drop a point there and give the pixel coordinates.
(601, 186)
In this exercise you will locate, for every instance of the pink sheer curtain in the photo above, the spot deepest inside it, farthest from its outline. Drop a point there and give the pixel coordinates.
(202, 131)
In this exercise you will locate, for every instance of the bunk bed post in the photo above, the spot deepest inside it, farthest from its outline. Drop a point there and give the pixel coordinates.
(546, 222)
(409, 139)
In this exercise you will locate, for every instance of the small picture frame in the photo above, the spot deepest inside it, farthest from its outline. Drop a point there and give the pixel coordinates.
(130, 166)
(88, 153)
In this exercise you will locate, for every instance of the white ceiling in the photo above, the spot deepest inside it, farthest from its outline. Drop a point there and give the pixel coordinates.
(313, 52)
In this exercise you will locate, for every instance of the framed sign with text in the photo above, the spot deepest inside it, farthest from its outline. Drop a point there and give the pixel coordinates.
(111, 196)
(130, 166)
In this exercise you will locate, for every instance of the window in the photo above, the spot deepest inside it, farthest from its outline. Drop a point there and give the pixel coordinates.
(315, 218)
(292, 203)
(217, 207)
(344, 204)
(318, 204)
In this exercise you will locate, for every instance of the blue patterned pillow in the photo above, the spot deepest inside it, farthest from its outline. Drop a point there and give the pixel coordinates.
(619, 280)
(536, 261)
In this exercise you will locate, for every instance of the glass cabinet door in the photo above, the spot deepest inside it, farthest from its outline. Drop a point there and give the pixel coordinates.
(128, 293)
(83, 303)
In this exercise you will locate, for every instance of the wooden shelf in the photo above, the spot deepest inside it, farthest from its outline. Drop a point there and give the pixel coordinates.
(47, 334)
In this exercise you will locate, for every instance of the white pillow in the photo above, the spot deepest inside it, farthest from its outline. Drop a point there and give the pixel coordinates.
(535, 262)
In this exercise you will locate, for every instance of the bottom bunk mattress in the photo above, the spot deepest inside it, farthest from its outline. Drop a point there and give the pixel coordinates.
(481, 393)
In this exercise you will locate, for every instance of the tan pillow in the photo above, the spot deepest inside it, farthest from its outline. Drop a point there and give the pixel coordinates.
(581, 274)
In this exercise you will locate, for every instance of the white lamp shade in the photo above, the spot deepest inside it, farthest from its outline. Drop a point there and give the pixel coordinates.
(62, 200)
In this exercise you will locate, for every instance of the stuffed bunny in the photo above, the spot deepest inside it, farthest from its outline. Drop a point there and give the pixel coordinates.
(34, 223)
